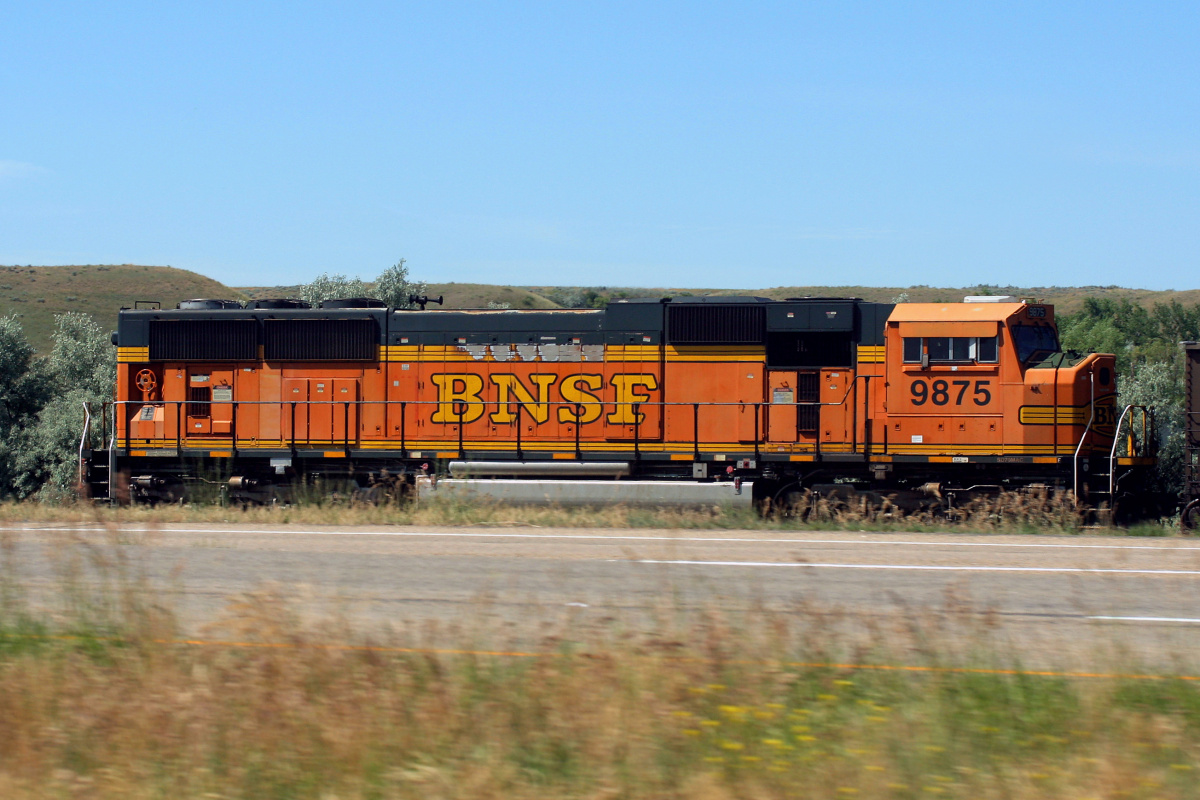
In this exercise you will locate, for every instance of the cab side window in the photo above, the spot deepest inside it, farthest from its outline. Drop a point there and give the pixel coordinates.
(983, 350)
(988, 350)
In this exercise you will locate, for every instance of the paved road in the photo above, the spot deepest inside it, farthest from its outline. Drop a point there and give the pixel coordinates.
(1059, 601)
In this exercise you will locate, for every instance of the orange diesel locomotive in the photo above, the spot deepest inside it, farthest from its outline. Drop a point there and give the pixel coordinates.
(911, 400)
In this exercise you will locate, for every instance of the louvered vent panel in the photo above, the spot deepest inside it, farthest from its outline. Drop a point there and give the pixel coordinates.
(204, 340)
(701, 324)
(320, 339)
(809, 388)
(808, 418)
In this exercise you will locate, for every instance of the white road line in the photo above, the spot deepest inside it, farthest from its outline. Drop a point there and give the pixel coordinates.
(922, 567)
(1189, 620)
(629, 538)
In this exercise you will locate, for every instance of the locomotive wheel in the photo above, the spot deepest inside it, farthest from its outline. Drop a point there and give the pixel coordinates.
(1190, 517)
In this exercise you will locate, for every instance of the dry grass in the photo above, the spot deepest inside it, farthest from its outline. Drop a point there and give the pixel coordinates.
(97, 701)
(1010, 512)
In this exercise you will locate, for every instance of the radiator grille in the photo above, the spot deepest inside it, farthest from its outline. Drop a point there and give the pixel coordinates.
(204, 340)
(320, 339)
(703, 324)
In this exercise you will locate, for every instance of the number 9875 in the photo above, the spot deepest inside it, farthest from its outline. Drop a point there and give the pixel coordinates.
(942, 392)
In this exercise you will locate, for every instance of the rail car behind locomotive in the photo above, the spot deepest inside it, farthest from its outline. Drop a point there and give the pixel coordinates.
(938, 399)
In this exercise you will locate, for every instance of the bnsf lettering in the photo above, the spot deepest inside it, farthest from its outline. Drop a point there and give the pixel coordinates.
(460, 398)
(1106, 415)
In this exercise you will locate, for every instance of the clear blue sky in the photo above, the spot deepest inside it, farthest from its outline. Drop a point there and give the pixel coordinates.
(671, 144)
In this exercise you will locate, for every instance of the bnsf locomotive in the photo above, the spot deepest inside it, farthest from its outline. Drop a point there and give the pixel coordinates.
(938, 400)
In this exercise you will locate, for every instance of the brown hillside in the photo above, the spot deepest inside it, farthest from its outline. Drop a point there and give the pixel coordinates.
(37, 294)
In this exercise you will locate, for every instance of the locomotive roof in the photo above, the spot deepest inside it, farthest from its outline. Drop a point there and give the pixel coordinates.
(954, 312)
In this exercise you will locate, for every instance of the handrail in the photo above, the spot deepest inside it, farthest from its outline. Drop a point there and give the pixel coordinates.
(87, 426)
(1083, 438)
(1112, 453)
(291, 440)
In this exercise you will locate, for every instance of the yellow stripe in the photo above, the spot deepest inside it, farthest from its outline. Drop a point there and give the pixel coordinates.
(719, 359)
(133, 354)
(799, 451)
(681, 451)
(1127, 461)
(715, 353)
(871, 354)
(1047, 415)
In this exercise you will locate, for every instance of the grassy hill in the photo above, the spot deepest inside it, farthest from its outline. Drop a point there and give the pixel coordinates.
(37, 294)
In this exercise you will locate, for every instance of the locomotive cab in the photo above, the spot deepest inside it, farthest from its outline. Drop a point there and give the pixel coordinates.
(989, 378)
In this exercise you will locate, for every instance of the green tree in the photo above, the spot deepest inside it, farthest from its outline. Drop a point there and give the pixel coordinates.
(1177, 322)
(394, 287)
(82, 356)
(24, 389)
(79, 369)
(1159, 386)
(333, 287)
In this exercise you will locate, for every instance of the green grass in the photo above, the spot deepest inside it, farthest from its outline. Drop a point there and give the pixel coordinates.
(100, 698)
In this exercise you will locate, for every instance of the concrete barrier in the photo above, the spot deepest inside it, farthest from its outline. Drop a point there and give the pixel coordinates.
(581, 492)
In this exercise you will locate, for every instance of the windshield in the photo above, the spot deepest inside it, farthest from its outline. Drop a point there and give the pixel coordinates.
(1034, 341)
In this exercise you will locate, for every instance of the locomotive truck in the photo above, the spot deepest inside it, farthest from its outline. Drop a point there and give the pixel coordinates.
(762, 400)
